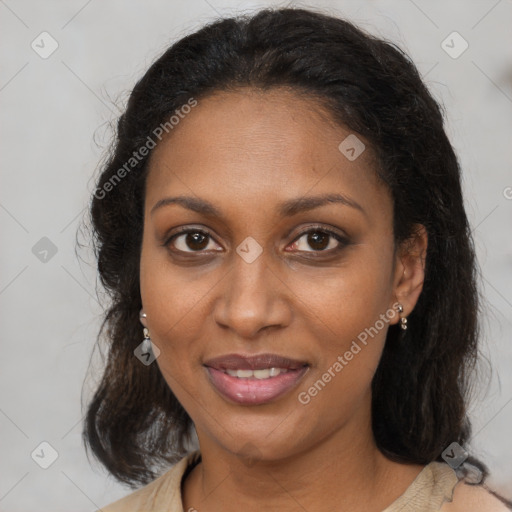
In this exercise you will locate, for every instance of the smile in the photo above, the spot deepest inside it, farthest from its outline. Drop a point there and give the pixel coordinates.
(255, 379)
(266, 373)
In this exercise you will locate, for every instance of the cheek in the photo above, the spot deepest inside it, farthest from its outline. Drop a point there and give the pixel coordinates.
(348, 315)
(178, 303)
(349, 298)
(176, 315)
(176, 312)
(171, 295)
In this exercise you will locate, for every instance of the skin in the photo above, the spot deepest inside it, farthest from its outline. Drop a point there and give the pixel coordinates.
(246, 152)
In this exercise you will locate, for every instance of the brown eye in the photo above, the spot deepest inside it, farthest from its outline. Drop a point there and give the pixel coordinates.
(192, 241)
(318, 240)
(196, 241)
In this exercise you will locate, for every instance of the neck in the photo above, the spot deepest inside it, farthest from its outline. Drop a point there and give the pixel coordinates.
(343, 472)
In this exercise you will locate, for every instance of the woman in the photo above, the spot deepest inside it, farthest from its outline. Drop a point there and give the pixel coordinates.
(281, 218)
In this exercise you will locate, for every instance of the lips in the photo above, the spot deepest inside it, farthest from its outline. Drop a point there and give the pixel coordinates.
(254, 380)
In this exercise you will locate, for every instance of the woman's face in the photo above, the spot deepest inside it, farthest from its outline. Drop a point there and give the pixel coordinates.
(267, 267)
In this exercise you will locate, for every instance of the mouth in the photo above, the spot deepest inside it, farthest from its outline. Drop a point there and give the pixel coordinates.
(254, 380)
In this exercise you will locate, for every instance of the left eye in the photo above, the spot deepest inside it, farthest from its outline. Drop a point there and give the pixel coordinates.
(317, 241)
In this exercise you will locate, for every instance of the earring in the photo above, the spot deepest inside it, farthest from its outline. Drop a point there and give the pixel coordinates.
(403, 320)
(146, 342)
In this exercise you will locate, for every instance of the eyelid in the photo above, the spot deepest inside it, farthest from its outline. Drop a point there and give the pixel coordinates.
(320, 227)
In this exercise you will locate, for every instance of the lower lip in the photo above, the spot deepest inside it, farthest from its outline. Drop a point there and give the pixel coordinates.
(254, 391)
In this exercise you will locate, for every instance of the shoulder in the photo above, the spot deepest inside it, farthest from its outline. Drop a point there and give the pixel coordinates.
(164, 493)
(474, 498)
(439, 487)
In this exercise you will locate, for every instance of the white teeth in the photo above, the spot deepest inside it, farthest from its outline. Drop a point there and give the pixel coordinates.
(258, 374)
(262, 374)
(244, 373)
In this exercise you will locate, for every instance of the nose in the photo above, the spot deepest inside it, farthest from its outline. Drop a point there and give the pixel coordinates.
(252, 299)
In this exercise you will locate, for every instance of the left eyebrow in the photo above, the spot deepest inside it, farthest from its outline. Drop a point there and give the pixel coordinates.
(303, 204)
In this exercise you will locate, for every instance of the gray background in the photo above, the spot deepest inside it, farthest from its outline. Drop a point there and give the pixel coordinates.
(55, 127)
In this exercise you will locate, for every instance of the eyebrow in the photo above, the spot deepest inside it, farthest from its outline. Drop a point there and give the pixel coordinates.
(286, 209)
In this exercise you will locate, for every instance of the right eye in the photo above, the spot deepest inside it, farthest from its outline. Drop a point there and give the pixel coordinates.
(191, 241)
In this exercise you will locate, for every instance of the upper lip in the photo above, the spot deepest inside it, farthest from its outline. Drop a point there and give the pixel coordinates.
(253, 362)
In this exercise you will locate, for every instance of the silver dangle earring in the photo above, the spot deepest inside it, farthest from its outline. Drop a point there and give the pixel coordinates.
(403, 319)
(146, 342)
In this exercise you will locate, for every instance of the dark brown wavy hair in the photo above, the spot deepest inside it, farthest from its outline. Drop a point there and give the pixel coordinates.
(134, 424)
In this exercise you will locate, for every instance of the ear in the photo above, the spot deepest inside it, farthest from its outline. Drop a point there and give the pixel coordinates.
(409, 272)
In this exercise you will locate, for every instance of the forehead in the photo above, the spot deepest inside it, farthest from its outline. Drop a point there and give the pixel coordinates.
(262, 146)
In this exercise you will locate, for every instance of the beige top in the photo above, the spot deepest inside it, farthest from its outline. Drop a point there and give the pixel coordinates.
(430, 489)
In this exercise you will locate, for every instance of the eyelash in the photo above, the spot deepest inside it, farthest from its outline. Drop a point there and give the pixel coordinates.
(343, 241)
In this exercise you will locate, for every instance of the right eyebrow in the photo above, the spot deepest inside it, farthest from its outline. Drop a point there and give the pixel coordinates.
(191, 203)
